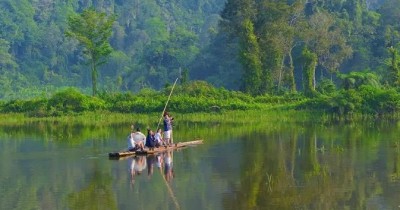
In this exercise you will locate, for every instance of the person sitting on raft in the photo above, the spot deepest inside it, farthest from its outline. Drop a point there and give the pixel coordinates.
(151, 140)
(131, 143)
(139, 139)
(158, 137)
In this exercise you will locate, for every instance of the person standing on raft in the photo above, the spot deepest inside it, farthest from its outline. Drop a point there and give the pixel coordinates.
(168, 128)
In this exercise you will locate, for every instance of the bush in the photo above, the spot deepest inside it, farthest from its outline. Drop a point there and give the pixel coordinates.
(94, 103)
(367, 100)
(112, 98)
(380, 101)
(346, 102)
(14, 106)
(2, 104)
(326, 87)
(67, 100)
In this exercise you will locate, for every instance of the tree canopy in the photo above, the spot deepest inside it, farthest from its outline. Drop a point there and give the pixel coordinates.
(253, 46)
(92, 30)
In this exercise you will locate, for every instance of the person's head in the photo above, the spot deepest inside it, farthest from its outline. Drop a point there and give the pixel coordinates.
(166, 114)
(132, 128)
(149, 131)
(159, 130)
(137, 129)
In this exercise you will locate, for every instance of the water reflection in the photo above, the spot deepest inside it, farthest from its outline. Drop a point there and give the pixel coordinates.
(310, 169)
(260, 166)
(97, 194)
(168, 166)
(162, 161)
(136, 166)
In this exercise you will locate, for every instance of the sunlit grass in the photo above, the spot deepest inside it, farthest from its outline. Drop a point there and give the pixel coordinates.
(254, 116)
(98, 117)
(257, 116)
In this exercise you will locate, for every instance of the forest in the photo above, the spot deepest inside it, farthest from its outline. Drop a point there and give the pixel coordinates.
(338, 56)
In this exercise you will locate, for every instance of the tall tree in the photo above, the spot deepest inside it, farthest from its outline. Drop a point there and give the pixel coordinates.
(327, 41)
(279, 24)
(7, 68)
(272, 29)
(238, 22)
(250, 59)
(92, 30)
(309, 60)
(7, 61)
(394, 69)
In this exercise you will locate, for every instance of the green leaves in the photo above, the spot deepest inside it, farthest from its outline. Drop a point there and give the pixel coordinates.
(250, 59)
(309, 60)
(7, 61)
(92, 30)
(355, 80)
(394, 69)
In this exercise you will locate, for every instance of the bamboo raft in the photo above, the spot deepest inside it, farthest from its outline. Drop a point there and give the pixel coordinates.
(154, 150)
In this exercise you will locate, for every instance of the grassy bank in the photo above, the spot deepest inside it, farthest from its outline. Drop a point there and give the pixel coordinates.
(200, 101)
(244, 117)
(191, 98)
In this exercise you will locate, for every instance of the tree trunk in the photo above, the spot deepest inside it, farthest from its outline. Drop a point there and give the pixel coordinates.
(281, 72)
(94, 76)
(314, 80)
(292, 82)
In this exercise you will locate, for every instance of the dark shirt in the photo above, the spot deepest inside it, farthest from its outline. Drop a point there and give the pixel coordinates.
(167, 124)
(150, 141)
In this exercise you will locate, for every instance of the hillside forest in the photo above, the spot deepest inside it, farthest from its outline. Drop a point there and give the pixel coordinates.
(258, 47)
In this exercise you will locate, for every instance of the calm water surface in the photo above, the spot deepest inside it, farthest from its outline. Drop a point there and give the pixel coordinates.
(260, 166)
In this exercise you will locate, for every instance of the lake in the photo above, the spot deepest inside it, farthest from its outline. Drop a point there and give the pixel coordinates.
(264, 165)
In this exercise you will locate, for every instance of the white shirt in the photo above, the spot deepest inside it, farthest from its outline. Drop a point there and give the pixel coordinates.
(131, 142)
(139, 136)
(158, 137)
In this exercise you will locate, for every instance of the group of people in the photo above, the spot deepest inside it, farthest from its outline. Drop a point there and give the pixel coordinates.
(138, 141)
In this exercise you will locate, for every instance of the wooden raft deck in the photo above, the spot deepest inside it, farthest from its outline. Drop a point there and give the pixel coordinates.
(155, 150)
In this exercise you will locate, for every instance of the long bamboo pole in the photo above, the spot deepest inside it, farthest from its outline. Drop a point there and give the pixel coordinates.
(166, 104)
(171, 193)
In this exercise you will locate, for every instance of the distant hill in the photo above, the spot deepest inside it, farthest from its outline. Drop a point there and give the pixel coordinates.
(153, 40)
(259, 47)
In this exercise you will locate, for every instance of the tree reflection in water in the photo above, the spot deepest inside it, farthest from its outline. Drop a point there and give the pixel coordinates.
(310, 169)
(96, 195)
(257, 166)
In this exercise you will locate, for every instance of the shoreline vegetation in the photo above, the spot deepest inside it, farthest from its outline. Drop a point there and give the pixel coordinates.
(199, 101)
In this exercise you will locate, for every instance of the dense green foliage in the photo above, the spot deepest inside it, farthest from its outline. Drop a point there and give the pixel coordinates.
(254, 46)
(309, 64)
(304, 54)
(360, 93)
(191, 97)
(250, 58)
(152, 39)
(92, 30)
